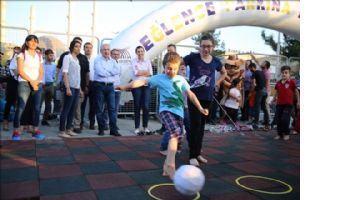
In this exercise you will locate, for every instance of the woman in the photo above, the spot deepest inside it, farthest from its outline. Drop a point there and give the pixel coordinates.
(142, 69)
(30, 71)
(71, 79)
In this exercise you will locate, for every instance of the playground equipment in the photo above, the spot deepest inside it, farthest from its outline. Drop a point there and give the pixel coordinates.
(177, 21)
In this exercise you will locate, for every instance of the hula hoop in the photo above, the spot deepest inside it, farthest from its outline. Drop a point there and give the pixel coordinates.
(165, 184)
(262, 191)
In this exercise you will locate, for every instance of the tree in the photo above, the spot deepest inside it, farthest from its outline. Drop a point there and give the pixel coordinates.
(219, 44)
(290, 47)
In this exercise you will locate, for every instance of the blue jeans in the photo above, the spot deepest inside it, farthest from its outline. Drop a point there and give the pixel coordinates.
(24, 91)
(260, 102)
(141, 99)
(67, 114)
(105, 94)
(166, 135)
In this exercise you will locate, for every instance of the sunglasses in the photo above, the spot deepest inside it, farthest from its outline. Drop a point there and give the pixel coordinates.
(228, 66)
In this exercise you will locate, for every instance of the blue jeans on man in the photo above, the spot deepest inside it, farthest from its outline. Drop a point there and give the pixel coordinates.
(260, 102)
(105, 94)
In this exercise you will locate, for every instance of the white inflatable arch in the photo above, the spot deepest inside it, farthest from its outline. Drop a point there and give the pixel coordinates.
(179, 20)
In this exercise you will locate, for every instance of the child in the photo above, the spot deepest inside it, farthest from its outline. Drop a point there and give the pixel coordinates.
(234, 99)
(171, 108)
(285, 90)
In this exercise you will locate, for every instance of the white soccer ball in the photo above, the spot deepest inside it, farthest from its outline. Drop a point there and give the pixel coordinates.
(189, 179)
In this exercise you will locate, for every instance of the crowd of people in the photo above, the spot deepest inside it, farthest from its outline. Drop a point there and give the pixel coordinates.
(191, 91)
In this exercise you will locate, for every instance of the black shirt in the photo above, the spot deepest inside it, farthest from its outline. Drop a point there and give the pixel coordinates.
(259, 79)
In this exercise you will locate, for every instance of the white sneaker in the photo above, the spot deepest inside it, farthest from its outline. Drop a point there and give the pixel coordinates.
(286, 137)
(71, 133)
(194, 162)
(277, 137)
(146, 130)
(64, 134)
(202, 159)
(136, 131)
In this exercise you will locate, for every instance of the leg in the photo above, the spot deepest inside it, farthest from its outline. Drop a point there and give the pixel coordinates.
(137, 106)
(100, 106)
(23, 92)
(169, 164)
(92, 105)
(111, 108)
(145, 103)
(72, 107)
(258, 97)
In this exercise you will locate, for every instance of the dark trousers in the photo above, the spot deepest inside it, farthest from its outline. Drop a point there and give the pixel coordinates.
(67, 115)
(283, 116)
(48, 93)
(245, 109)
(197, 127)
(141, 99)
(260, 102)
(11, 96)
(233, 113)
(105, 94)
(92, 103)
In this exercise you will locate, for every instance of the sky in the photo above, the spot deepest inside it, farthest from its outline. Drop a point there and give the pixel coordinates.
(113, 17)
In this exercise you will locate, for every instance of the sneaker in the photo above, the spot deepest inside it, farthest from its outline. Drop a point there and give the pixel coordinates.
(71, 133)
(16, 136)
(136, 131)
(38, 135)
(77, 130)
(202, 159)
(45, 123)
(286, 137)
(194, 162)
(147, 131)
(115, 133)
(92, 127)
(277, 137)
(64, 134)
(164, 153)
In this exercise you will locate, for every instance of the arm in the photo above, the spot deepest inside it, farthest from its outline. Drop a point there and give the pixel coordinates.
(256, 61)
(40, 76)
(133, 84)
(66, 83)
(298, 98)
(196, 102)
(222, 77)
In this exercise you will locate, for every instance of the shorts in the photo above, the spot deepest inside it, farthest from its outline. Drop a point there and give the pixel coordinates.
(173, 123)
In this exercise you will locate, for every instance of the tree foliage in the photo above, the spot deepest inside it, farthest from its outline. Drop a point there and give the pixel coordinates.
(290, 47)
(220, 45)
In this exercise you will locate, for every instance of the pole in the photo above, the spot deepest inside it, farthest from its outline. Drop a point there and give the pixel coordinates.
(69, 22)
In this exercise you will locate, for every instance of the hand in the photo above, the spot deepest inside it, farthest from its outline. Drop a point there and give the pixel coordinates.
(34, 85)
(81, 93)
(204, 111)
(68, 92)
(120, 87)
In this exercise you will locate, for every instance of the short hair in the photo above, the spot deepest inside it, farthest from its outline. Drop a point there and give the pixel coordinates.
(17, 48)
(1, 53)
(172, 45)
(48, 51)
(114, 50)
(235, 82)
(72, 45)
(285, 67)
(252, 65)
(87, 43)
(138, 47)
(267, 64)
(173, 58)
(207, 37)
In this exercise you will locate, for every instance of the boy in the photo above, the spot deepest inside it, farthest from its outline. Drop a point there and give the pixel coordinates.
(285, 90)
(171, 108)
(48, 88)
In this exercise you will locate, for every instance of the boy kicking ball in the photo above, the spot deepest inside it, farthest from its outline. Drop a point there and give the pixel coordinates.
(171, 108)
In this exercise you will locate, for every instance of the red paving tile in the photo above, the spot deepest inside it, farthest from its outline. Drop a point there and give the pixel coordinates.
(86, 158)
(77, 143)
(18, 163)
(150, 154)
(114, 149)
(130, 165)
(52, 152)
(252, 167)
(20, 190)
(71, 196)
(252, 156)
(132, 142)
(105, 181)
(54, 171)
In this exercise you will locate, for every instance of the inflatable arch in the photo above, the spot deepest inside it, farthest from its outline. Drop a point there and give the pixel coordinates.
(178, 20)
